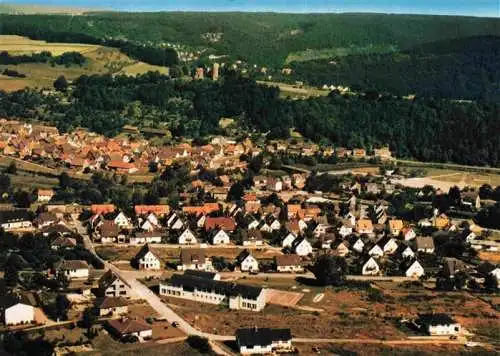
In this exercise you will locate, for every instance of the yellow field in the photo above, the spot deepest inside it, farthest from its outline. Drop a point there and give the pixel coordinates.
(18, 45)
(100, 60)
(291, 90)
(463, 178)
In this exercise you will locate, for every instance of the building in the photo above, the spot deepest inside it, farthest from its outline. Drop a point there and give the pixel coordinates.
(73, 269)
(111, 285)
(194, 258)
(247, 262)
(254, 341)
(202, 274)
(204, 290)
(289, 263)
(146, 259)
(302, 247)
(364, 226)
(45, 195)
(129, 327)
(215, 72)
(149, 237)
(252, 237)
(438, 324)
(113, 306)
(224, 223)
(158, 210)
(18, 311)
(187, 238)
(15, 220)
(288, 240)
(424, 244)
(219, 237)
(370, 268)
(395, 227)
(414, 270)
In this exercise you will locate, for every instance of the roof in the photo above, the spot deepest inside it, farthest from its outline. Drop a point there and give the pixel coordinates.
(64, 242)
(128, 326)
(102, 208)
(396, 224)
(261, 336)
(225, 223)
(108, 278)
(486, 268)
(190, 255)
(191, 283)
(112, 302)
(288, 260)
(424, 242)
(73, 264)
(364, 224)
(200, 274)
(143, 252)
(157, 209)
(109, 229)
(435, 319)
(14, 216)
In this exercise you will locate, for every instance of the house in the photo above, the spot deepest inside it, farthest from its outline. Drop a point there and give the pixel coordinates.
(73, 269)
(405, 251)
(113, 306)
(488, 268)
(204, 290)
(408, 233)
(288, 240)
(364, 226)
(18, 310)
(302, 247)
(440, 222)
(388, 244)
(15, 219)
(468, 236)
(45, 195)
(45, 219)
(219, 237)
(111, 285)
(224, 223)
(374, 250)
(63, 243)
(129, 327)
(370, 268)
(158, 210)
(202, 274)
(194, 258)
(438, 324)
(247, 262)
(451, 266)
(414, 270)
(288, 263)
(346, 228)
(341, 248)
(99, 209)
(424, 244)
(471, 199)
(252, 238)
(263, 340)
(146, 259)
(122, 221)
(395, 227)
(187, 238)
(321, 229)
(357, 244)
(149, 237)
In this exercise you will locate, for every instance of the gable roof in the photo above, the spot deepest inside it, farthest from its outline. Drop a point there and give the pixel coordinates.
(288, 260)
(424, 242)
(192, 255)
(200, 274)
(112, 302)
(435, 319)
(73, 264)
(144, 251)
(10, 216)
(224, 223)
(128, 326)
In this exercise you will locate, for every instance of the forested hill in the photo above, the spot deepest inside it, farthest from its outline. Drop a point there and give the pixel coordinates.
(261, 38)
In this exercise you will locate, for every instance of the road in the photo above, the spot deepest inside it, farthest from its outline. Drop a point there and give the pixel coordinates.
(422, 340)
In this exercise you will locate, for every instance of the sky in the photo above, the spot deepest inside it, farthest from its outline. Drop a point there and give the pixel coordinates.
(490, 8)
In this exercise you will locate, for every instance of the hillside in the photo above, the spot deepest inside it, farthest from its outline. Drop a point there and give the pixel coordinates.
(262, 38)
(99, 60)
(29, 9)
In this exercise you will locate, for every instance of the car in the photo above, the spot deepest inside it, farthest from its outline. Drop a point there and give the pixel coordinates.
(175, 324)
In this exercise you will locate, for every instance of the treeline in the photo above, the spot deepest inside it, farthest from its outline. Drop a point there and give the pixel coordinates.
(38, 31)
(424, 129)
(67, 58)
(13, 73)
(459, 69)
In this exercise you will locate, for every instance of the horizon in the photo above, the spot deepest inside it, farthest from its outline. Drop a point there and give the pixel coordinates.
(478, 8)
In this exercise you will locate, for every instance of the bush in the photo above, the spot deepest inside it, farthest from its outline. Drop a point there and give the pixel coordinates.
(199, 343)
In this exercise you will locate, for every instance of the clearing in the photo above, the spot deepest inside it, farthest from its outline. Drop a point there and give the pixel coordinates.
(293, 91)
(100, 60)
(283, 298)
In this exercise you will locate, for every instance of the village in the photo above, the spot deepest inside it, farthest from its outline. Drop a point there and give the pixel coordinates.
(314, 247)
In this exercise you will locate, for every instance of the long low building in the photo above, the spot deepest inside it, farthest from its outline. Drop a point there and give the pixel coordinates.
(206, 290)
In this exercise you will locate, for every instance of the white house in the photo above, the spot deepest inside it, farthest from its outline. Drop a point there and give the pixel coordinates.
(358, 245)
(201, 221)
(321, 229)
(289, 263)
(438, 324)
(177, 224)
(19, 313)
(415, 270)
(147, 259)
(288, 240)
(342, 249)
(407, 252)
(220, 238)
(302, 247)
(425, 244)
(150, 237)
(275, 225)
(187, 238)
(409, 234)
(376, 251)
(122, 220)
(73, 269)
(195, 259)
(388, 244)
(206, 290)
(247, 262)
(370, 268)
(255, 341)
(15, 220)
(346, 229)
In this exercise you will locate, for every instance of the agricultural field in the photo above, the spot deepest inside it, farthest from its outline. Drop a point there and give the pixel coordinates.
(100, 60)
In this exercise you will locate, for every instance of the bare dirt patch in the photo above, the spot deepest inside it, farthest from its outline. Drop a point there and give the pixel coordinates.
(283, 298)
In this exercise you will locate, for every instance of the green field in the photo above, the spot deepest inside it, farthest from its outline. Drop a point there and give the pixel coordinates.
(327, 53)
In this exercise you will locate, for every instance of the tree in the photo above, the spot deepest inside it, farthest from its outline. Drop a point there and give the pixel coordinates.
(61, 84)
(64, 180)
(236, 192)
(199, 343)
(11, 275)
(329, 270)
(88, 318)
(490, 282)
(22, 199)
(12, 168)
(62, 305)
(454, 195)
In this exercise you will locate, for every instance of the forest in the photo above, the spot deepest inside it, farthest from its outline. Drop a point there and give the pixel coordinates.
(66, 59)
(260, 38)
(459, 69)
(427, 129)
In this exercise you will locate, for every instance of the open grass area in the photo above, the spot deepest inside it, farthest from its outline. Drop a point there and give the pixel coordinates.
(327, 53)
(291, 90)
(468, 178)
(141, 67)
(17, 45)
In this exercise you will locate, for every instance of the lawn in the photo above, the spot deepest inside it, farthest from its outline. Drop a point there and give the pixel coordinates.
(291, 90)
